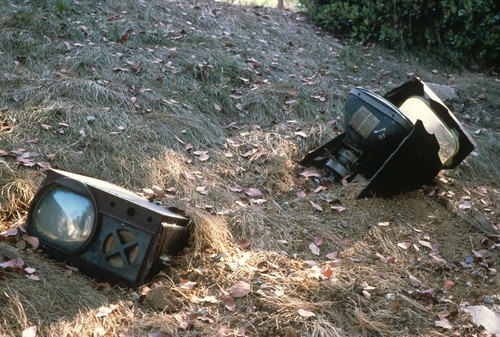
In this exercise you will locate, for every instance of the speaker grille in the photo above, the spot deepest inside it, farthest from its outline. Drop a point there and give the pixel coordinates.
(120, 248)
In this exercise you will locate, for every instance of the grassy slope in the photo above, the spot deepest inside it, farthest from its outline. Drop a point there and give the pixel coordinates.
(116, 90)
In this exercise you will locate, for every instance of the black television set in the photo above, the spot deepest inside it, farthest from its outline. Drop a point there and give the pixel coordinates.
(394, 143)
(106, 231)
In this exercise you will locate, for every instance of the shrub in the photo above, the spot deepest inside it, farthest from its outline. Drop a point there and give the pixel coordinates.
(465, 32)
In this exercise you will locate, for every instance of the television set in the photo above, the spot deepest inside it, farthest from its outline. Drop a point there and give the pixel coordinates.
(394, 143)
(105, 230)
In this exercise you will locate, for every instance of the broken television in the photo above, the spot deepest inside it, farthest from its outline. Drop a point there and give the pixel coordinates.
(106, 231)
(394, 143)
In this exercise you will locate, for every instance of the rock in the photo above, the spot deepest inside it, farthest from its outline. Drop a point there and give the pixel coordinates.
(161, 298)
(481, 315)
(444, 92)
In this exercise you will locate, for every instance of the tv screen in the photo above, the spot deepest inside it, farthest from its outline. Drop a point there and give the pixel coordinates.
(64, 218)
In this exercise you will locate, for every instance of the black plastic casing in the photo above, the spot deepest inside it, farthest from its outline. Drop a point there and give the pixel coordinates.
(155, 231)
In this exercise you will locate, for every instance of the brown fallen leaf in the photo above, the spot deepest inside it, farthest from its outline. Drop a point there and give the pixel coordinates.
(425, 244)
(243, 244)
(448, 284)
(338, 208)
(229, 303)
(9, 232)
(414, 281)
(327, 272)
(466, 204)
(306, 313)
(332, 255)
(301, 194)
(240, 289)
(105, 311)
(438, 258)
(318, 240)
(443, 323)
(202, 155)
(14, 263)
(316, 206)
(251, 191)
(186, 284)
(202, 190)
(314, 248)
(309, 174)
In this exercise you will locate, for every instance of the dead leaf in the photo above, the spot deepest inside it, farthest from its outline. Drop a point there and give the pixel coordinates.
(338, 208)
(9, 232)
(425, 244)
(148, 193)
(314, 248)
(318, 241)
(186, 284)
(43, 165)
(14, 263)
(443, 323)
(306, 313)
(414, 281)
(251, 192)
(33, 277)
(481, 96)
(33, 241)
(240, 289)
(405, 245)
(243, 244)
(367, 295)
(301, 194)
(319, 189)
(448, 284)
(30, 270)
(202, 190)
(332, 255)
(202, 155)
(466, 204)
(316, 206)
(327, 272)
(105, 311)
(383, 224)
(438, 258)
(185, 321)
(229, 303)
(481, 190)
(309, 174)
(346, 242)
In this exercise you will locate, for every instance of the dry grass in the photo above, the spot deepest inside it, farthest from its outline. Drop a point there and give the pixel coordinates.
(244, 84)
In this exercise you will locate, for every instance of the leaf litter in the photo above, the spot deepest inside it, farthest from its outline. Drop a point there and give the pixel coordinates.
(273, 283)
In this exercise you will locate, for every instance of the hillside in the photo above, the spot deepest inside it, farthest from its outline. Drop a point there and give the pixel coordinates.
(215, 105)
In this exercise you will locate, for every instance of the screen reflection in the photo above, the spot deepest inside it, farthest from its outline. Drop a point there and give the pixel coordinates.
(64, 218)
